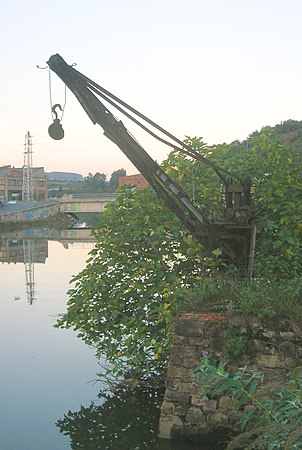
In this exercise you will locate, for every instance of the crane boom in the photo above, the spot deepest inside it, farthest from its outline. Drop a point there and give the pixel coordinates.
(234, 241)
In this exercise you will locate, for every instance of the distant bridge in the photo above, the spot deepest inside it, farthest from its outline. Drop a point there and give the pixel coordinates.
(85, 203)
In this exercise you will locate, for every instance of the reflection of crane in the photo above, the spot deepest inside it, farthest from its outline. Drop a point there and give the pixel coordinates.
(29, 250)
(28, 189)
(232, 233)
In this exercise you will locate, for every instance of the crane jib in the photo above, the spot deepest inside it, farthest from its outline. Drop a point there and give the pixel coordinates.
(231, 235)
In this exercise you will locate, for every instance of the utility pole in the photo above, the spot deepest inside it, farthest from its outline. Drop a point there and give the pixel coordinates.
(28, 188)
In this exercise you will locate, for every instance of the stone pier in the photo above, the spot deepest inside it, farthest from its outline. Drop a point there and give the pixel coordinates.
(186, 414)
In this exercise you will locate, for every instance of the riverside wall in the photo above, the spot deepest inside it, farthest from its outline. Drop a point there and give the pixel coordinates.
(23, 212)
(186, 413)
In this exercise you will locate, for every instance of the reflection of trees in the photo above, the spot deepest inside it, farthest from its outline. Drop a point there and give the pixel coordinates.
(126, 420)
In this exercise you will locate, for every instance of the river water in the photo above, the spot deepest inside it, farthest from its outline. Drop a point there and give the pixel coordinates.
(44, 371)
(51, 397)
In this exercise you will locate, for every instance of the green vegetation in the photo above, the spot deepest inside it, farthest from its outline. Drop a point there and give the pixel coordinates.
(92, 183)
(123, 302)
(145, 267)
(266, 299)
(273, 417)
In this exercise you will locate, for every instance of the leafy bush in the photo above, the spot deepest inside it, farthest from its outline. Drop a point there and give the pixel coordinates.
(125, 301)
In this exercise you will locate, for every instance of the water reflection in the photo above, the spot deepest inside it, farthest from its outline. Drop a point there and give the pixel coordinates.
(29, 264)
(21, 250)
(44, 371)
(28, 252)
(66, 237)
(126, 420)
(30, 247)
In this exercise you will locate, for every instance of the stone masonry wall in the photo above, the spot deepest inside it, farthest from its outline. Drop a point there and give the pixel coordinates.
(186, 413)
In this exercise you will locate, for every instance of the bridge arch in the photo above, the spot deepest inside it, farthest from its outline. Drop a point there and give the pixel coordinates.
(85, 203)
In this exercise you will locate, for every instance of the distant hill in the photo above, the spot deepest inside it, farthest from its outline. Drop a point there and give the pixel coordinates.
(64, 176)
(290, 132)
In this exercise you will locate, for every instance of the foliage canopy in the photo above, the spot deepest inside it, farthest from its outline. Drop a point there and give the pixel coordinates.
(124, 301)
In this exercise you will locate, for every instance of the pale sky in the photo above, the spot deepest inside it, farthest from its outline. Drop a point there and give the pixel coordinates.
(219, 69)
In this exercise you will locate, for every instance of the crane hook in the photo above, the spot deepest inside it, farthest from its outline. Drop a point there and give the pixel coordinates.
(55, 130)
(53, 109)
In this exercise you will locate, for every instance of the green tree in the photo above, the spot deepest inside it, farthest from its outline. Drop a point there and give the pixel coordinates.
(274, 168)
(96, 182)
(122, 301)
(125, 300)
(113, 182)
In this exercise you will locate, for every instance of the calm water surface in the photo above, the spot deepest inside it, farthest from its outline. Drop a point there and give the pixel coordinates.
(49, 399)
(45, 372)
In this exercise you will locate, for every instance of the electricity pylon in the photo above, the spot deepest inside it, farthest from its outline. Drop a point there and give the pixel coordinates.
(28, 187)
(28, 250)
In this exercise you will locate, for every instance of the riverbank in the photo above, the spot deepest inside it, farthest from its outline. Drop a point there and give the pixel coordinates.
(58, 221)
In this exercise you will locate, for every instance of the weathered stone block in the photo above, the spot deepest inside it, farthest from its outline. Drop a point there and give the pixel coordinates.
(254, 323)
(173, 384)
(249, 407)
(217, 335)
(297, 330)
(217, 419)
(288, 335)
(175, 396)
(289, 362)
(195, 342)
(285, 325)
(180, 410)
(197, 400)
(167, 424)
(258, 345)
(179, 372)
(205, 342)
(191, 362)
(271, 361)
(191, 388)
(195, 416)
(175, 359)
(166, 407)
(209, 405)
(226, 403)
(189, 327)
(269, 334)
(274, 373)
(188, 345)
(288, 348)
(178, 340)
